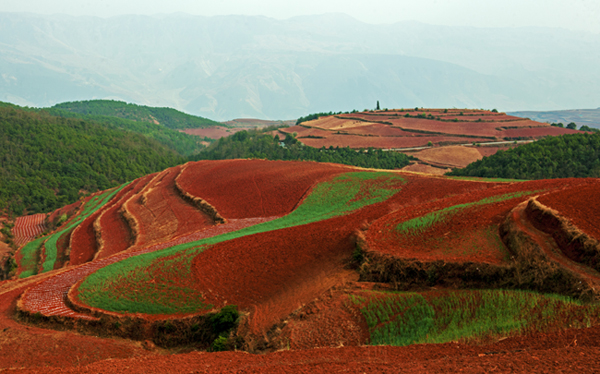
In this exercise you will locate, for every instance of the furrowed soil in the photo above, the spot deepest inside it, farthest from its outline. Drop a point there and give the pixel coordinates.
(254, 188)
(293, 284)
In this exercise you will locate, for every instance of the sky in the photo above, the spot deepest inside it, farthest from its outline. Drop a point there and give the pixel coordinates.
(580, 15)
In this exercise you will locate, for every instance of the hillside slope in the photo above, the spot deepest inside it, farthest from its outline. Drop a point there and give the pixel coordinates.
(49, 161)
(167, 117)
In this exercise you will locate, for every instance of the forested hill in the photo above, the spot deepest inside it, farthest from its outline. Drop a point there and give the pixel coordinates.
(566, 156)
(167, 117)
(47, 161)
(182, 143)
(262, 144)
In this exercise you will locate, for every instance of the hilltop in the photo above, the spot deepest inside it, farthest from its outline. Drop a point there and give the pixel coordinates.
(167, 117)
(439, 138)
(269, 255)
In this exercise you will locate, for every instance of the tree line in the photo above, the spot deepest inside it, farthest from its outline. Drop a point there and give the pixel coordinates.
(566, 156)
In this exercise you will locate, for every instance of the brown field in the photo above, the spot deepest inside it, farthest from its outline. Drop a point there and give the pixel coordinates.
(438, 128)
(293, 284)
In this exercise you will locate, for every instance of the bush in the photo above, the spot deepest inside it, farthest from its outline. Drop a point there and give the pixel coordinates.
(225, 319)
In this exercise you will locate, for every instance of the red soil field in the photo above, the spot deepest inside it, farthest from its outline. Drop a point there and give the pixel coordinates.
(424, 168)
(580, 205)
(68, 210)
(302, 132)
(27, 228)
(450, 156)
(537, 132)
(254, 188)
(83, 243)
(161, 213)
(391, 129)
(355, 141)
(116, 234)
(466, 226)
(213, 132)
(488, 151)
(274, 273)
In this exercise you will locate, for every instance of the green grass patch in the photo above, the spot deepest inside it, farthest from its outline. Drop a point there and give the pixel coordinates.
(112, 287)
(418, 225)
(89, 208)
(401, 319)
(30, 255)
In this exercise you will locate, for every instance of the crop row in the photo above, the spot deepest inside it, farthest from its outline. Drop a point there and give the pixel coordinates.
(45, 249)
(28, 227)
(48, 297)
(401, 319)
(104, 288)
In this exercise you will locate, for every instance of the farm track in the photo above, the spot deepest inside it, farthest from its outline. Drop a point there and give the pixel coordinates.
(547, 244)
(49, 296)
(27, 228)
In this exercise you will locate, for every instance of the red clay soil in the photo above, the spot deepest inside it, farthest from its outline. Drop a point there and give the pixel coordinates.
(213, 132)
(548, 245)
(537, 132)
(23, 346)
(451, 156)
(303, 132)
(571, 351)
(273, 273)
(486, 151)
(116, 232)
(254, 188)
(385, 142)
(446, 240)
(27, 228)
(162, 214)
(84, 245)
(580, 205)
(68, 210)
(425, 169)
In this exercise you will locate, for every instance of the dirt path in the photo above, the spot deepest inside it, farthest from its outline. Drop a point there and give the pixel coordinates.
(548, 245)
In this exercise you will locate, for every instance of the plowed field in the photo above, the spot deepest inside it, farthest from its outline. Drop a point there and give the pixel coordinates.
(293, 255)
(253, 188)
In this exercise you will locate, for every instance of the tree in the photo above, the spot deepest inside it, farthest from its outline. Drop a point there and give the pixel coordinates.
(377, 105)
(572, 126)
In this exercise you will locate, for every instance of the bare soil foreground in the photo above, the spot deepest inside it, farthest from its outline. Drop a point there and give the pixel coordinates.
(332, 269)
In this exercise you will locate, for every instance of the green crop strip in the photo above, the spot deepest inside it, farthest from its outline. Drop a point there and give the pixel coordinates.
(108, 287)
(90, 207)
(418, 225)
(29, 258)
(401, 319)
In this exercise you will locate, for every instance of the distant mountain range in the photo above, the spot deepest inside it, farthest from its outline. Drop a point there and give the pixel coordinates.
(255, 67)
(582, 117)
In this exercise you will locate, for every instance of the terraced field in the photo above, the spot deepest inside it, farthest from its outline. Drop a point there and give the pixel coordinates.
(315, 255)
(464, 134)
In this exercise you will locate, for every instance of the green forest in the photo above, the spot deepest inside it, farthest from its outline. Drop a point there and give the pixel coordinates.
(166, 117)
(261, 144)
(566, 156)
(184, 144)
(47, 161)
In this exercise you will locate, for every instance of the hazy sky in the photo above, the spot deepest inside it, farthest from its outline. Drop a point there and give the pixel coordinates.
(571, 14)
